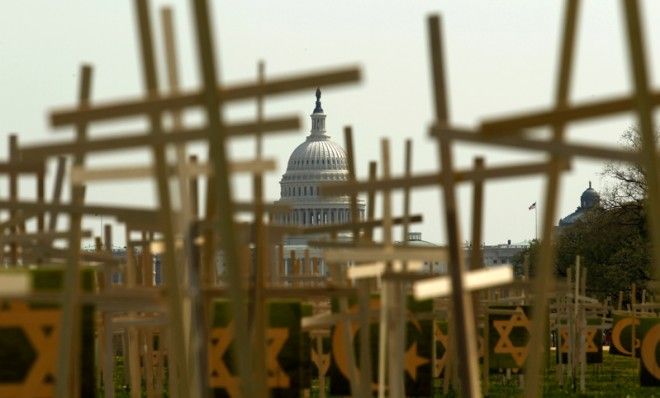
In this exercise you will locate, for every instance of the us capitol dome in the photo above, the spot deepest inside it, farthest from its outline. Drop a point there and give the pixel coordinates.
(317, 160)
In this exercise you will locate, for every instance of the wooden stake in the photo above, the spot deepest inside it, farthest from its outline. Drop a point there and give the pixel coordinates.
(644, 102)
(463, 318)
(69, 336)
(168, 258)
(220, 193)
(195, 310)
(258, 300)
(544, 275)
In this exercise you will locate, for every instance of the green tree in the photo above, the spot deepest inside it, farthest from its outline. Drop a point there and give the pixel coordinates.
(610, 246)
(612, 239)
(527, 256)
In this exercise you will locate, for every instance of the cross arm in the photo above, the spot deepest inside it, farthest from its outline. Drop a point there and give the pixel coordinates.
(431, 179)
(140, 106)
(550, 146)
(587, 110)
(135, 139)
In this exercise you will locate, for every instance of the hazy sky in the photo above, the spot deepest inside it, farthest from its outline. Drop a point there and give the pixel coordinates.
(502, 59)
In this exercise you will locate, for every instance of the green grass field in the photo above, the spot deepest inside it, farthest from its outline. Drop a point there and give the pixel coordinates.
(616, 377)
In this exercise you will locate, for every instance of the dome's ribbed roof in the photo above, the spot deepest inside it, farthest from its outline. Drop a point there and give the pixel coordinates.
(318, 153)
(318, 158)
(589, 197)
(590, 193)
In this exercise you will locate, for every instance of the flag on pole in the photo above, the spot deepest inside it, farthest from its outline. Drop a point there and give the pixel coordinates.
(532, 206)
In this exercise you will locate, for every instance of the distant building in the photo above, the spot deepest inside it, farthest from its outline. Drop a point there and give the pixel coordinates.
(319, 160)
(588, 200)
(415, 240)
(493, 255)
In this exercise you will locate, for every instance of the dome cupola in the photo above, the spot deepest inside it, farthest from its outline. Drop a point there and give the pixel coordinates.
(317, 159)
(589, 198)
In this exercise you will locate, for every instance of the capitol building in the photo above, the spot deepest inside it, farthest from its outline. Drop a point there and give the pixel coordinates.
(320, 160)
(315, 161)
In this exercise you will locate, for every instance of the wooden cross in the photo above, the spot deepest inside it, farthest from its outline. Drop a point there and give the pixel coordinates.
(14, 168)
(474, 280)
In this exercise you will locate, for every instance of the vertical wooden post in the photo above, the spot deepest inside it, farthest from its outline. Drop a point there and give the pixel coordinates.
(576, 322)
(640, 80)
(633, 308)
(13, 196)
(132, 332)
(108, 359)
(219, 193)
(195, 308)
(319, 350)
(450, 363)
(292, 263)
(168, 257)
(159, 358)
(194, 191)
(544, 268)
(407, 170)
(476, 257)
(371, 202)
(463, 317)
(485, 382)
(295, 272)
(57, 192)
(276, 277)
(348, 139)
(307, 266)
(41, 197)
(148, 361)
(392, 338)
(364, 382)
(69, 336)
(259, 305)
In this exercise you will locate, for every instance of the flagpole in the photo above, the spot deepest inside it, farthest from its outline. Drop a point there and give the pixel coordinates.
(536, 221)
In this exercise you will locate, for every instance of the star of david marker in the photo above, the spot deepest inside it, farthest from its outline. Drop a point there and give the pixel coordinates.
(41, 327)
(590, 335)
(504, 344)
(277, 377)
(221, 377)
(590, 339)
(221, 339)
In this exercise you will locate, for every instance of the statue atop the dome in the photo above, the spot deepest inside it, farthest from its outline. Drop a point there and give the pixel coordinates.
(318, 108)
